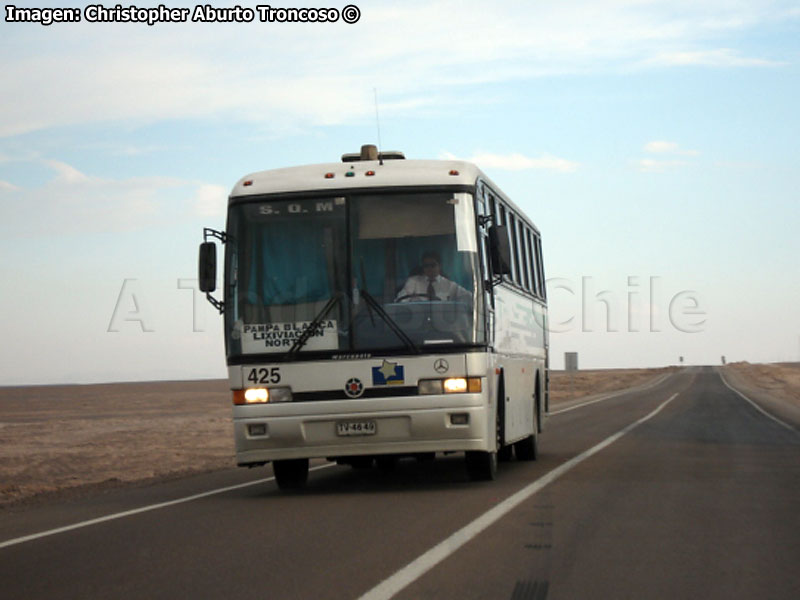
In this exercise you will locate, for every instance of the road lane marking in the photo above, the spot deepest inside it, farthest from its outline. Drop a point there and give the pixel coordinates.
(756, 406)
(611, 395)
(425, 562)
(143, 509)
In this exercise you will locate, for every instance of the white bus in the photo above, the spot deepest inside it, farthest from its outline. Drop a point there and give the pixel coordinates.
(379, 308)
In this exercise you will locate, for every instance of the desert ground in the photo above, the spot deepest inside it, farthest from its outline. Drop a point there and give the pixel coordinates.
(58, 441)
(566, 386)
(781, 380)
(775, 386)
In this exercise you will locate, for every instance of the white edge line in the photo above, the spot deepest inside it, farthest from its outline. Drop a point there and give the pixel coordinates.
(756, 406)
(143, 509)
(136, 511)
(612, 395)
(422, 564)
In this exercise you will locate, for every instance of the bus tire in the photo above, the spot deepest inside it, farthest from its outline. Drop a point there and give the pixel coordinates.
(481, 466)
(386, 463)
(361, 463)
(505, 453)
(291, 474)
(527, 448)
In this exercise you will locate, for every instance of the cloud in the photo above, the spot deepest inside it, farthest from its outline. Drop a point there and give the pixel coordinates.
(662, 147)
(7, 187)
(127, 150)
(419, 54)
(517, 162)
(71, 201)
(210, 200)
(66, 174)
(719, 57)
(649, 165)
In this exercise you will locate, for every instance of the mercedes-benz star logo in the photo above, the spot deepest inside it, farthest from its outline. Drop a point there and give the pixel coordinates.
(440, 366)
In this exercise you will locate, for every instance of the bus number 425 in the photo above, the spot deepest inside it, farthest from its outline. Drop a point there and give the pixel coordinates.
(265, 375)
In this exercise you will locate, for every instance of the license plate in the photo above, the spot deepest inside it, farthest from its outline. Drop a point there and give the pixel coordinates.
(356, 428)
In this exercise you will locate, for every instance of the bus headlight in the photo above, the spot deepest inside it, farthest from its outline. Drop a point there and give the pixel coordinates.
(256, 396)
(451, 385)
(262, 395)
(455, 385)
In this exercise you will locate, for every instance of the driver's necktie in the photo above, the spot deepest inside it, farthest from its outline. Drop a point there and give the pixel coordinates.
(431, 292)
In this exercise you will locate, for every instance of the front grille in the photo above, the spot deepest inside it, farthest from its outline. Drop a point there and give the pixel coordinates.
(380, 392)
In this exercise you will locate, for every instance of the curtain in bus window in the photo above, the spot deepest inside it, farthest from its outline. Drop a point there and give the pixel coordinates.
(369, 264)
(288, 265)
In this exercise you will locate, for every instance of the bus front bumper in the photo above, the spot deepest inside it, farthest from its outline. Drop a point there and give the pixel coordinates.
(268, 433)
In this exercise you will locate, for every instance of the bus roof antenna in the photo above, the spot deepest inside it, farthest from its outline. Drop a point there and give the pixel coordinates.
(378, 125)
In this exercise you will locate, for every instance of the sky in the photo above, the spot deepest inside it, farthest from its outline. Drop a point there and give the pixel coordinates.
(654, 144)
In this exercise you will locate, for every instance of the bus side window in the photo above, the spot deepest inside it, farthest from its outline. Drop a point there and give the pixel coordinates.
(505, 220)
(485, 208)
(540, 268)
(523, 251)
(512, 224)
(541, 265)
(531, 262)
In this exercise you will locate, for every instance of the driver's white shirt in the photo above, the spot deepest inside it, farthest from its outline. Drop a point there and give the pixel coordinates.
(444, 289)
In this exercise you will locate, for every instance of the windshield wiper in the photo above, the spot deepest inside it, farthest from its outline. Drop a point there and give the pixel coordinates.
(364, 279)
(312, 327)
(389, 321)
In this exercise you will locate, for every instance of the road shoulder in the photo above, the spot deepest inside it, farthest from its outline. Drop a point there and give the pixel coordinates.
(774, 405)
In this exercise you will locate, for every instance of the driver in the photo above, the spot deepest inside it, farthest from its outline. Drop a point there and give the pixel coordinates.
(431, 285)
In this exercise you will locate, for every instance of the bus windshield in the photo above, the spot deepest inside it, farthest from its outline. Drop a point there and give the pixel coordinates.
(362, 273)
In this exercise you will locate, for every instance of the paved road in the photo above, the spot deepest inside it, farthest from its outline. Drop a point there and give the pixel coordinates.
(695, 498)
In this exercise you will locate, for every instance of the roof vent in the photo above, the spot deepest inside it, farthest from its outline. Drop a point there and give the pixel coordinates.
(370, 152)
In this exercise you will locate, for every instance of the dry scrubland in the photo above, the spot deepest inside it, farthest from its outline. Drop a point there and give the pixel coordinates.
(577, 384)
(56, 439)
(781, 380)
(776, 387)
(62, 440)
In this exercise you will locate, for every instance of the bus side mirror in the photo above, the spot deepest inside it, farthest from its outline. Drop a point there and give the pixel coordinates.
(500, 249)
(207, 267)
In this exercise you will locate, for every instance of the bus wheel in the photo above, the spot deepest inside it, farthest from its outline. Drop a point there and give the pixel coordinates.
(291, 474)
(386, 463)
(528, 448)
(361, 462)
(505, 453)
(481, 466)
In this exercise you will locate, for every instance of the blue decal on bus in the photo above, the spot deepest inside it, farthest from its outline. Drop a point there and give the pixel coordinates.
(388, 373)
